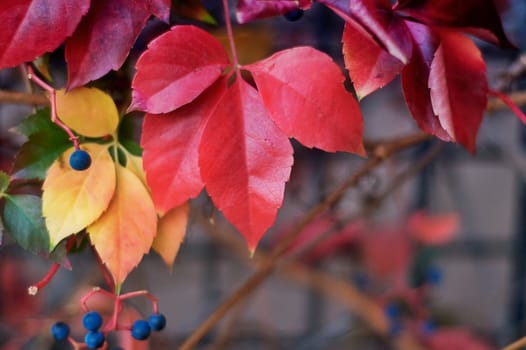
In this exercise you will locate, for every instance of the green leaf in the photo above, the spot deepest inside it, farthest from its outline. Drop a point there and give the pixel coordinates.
(129, 136)
(39, 152)
(4, 182)
(23, 220)
(38, 122)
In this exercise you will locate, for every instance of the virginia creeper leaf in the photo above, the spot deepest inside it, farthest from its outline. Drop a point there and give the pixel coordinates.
(177, 67)
(103, 39)
(161, 9)
(170, 233)
(249, 10)
(74, 199)
(478, 17)
(366, 17)
(33, 27)
(245, 161)
(89, 111)
(171, 142)
(434, 229)
(370, 66)
(125, 232)
(4, 182)
(46, 141)
(458, 85)
(134, 164)
(415, 77)
(23, 220)
(313, 108)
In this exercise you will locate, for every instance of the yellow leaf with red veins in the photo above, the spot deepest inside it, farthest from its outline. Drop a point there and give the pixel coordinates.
(72, 199)
(170, 233)
(125, 232)
(89, 111)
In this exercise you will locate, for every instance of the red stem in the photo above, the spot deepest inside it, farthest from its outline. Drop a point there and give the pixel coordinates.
(33, 290)
(514, 108)
(107, 277)
(52, 99)
(230, 35)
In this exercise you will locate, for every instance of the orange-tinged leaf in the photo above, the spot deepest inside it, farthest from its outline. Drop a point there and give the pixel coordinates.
(170, 233)
(89, 111)
(434, 229)
(74, 199)
(134, 164)
(125, 232)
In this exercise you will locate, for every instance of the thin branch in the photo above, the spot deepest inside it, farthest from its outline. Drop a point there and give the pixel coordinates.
(23, 98)
(381, 153)
(517, 345)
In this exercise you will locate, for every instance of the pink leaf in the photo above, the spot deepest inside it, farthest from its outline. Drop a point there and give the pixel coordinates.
(370, 66)
(177, 67)
(458, 87)
(249, 10)
(446, 339)
(415, 77)
(161, 9)
(313, 108)
(31, 28)
(386, 253)
(433, 229)
(171, 143)
(103, 39)
(366, 17)
(477, 17)
(245, 161)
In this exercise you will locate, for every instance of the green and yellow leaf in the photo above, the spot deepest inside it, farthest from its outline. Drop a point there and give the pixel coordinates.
(170, 233)
(125, 232)
(72, 199)
(89, 111)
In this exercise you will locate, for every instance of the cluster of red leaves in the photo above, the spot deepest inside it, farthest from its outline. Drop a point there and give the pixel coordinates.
(207, 126)
(443, 72)
(98, 35)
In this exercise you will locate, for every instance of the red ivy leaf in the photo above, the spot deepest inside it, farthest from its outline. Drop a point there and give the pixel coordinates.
(477, 17)
(33, 27)
(171, 143)
(249, 10)
(313, 108)
(415, 77)
(167, 79)
(369, 65)
(161, 9)
(458, 87)
(103, 39)
(245, 161)
(366, 17)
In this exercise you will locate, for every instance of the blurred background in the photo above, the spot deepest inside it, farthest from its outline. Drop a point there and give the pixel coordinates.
(436, 241)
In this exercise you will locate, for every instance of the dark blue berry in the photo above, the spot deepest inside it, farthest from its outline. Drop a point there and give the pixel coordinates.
(94, 340)
(157, 322)
(434, 275)
(428, 327)
(140, 330)
(60, 331)
(79, 160)
(294, 15)
(92, 321)
(392, 311)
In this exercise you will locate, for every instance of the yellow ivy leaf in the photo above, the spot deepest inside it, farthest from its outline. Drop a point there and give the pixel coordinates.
(125, 232)
(134, 164)
(170, 233)
(89, 111)
(74, 199)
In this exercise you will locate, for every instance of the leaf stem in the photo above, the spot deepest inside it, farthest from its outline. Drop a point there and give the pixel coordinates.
(509, 102)
(230, 35)
(53, 101)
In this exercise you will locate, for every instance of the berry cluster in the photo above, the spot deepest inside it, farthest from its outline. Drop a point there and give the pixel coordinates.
(141, 329)
(94, 338)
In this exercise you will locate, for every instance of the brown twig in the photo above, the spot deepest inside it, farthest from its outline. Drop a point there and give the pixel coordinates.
(23, 98)
(381, 153)
(516, 345)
